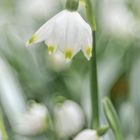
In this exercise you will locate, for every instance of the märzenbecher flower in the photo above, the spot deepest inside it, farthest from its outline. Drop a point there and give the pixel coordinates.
(66, 32)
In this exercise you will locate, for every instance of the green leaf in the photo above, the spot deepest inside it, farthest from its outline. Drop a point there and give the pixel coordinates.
(112, 118)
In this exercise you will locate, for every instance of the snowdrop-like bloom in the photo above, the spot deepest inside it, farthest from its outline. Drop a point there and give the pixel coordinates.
(87, 134)
(69, 118)
(66, 32)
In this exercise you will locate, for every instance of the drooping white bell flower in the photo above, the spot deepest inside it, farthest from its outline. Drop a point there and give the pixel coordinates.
(87, 134)
(69, 118)
(66, 32)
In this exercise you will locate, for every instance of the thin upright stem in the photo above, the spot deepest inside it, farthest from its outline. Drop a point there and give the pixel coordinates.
(72, 5)
(94, 82)
(94, 87)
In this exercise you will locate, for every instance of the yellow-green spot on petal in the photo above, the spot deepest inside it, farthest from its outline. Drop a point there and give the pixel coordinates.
(51, 49)
(32, 40)
(88, 52)
(68, 54)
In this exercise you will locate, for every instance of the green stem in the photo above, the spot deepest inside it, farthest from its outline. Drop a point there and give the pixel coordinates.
(72, 5)
(90, 15)
(94, 83)
(94, 87)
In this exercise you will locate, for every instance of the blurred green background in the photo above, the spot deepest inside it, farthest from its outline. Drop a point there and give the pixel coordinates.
(44, 78)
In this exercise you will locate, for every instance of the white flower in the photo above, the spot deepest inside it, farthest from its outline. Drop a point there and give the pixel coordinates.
(87, 134)
(66, 32)
(69, 118)
(33, 121)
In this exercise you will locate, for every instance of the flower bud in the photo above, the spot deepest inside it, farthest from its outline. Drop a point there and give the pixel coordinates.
(87, 134)
(34, 120)
(69, 118)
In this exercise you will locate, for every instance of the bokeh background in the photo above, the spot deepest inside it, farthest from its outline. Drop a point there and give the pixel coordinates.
(30, 75)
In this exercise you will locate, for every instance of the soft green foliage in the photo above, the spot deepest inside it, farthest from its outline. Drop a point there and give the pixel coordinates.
(112, 118)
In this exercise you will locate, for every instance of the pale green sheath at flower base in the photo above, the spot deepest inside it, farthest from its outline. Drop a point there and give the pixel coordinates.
(66, 32)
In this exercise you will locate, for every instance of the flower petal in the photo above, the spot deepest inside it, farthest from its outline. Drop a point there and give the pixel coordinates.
(87, 43)
(44, 31)
(68, 53)
(58, 28)
(85, 36)
(68, 34)
(51, 49)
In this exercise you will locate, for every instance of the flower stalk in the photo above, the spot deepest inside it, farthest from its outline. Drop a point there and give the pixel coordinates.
(90, 14)
(94, 87)
(94, 83)
(72, 5)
